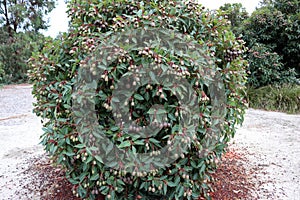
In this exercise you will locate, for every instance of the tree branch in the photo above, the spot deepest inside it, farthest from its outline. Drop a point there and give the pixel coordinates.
(1, 7)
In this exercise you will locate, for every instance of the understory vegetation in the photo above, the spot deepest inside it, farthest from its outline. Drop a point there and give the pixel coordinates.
(283, 98)
(272, 36)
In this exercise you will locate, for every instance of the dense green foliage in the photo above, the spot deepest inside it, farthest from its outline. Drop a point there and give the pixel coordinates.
(276, 25)
(284, 98)
(22, 15)
(14, 51)
(54, 73)
(266, 68)
(14, 54)
(20, 22)
(236, 14)
(272, 37)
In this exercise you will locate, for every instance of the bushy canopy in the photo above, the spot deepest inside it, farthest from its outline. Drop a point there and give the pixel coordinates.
(56, 70)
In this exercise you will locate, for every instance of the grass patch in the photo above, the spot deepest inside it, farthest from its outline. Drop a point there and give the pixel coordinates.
(284, 98)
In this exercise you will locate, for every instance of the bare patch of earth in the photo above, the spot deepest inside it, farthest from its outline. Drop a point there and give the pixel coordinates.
(271, 143)
(20, 130)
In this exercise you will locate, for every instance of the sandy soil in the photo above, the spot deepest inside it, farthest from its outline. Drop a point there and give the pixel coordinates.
(269, 140)
(19, 137)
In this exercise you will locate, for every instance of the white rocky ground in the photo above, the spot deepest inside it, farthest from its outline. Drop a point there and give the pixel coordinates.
(19, 137)
(270, 141)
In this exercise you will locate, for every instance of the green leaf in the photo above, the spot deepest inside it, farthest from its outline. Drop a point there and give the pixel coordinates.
(69, 153)
(79, 146)
(134, 40)
(138, 97)
(109, 148)
(95, 177)
(171, 184)
(161, 111)
(147, 97)
(120, 182)
(181, 191)
(155, 141)
(82, 176)
(125, 144)
(139, 142)
(153, 77)
(74, 182)
(165, 189)
(177, 180)
(114, 128)
(90, 158)
(99, 159)
(171, 116)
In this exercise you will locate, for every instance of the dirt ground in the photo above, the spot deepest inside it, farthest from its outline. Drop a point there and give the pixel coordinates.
(271, 143)
(263, 160)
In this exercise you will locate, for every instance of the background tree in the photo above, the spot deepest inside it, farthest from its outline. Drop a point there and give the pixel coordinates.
(20, 22)
(25, 14)
(236, 14)
(266, 68)
(276, 25)
(14, 53)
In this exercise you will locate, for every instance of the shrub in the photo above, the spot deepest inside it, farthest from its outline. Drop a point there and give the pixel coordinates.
(284, 98)
(266, 68)
(56, 70)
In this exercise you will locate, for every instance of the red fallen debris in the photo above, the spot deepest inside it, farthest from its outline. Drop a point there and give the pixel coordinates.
(231, 180)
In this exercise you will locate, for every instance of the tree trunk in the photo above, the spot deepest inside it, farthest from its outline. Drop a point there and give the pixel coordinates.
(9, 29)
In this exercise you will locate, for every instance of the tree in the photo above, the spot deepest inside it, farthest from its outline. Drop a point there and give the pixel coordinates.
(289, 7)
(24, 14)
(266, 68)
(13, 54)
(20, 21)
(276, 25)
(236, 14)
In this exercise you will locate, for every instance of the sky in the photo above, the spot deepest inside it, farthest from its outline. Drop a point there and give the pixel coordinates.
(215, 4)
(58, 19)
